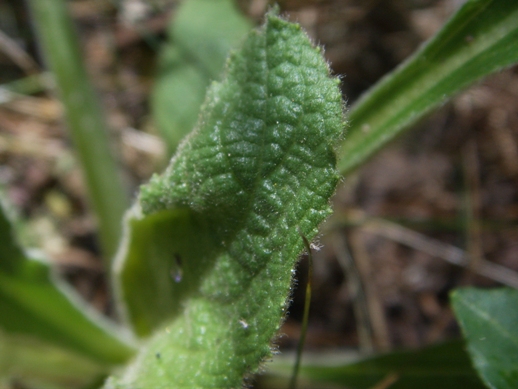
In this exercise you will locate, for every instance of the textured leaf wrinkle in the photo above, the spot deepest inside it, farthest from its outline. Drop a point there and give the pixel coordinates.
(259, 168)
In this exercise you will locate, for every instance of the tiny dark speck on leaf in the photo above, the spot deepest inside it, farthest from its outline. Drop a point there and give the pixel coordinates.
(177, 272)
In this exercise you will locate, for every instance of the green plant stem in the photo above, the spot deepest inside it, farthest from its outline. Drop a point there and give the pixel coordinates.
(305, 319)
(89, 131)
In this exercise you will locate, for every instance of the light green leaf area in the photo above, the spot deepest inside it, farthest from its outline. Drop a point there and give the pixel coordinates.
(200, 38)
(480, 39)
(219, 232)
(445, 366)
(37, 308)
(28, 362)
(489, 321)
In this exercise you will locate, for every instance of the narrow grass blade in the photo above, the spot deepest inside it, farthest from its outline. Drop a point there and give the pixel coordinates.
(305, 318)
(84, 117)
(480, 39)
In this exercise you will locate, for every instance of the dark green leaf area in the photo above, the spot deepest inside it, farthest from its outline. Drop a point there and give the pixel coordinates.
(265, 135)
(11, 255)
(445, 366)
(257, 172)
(438, 366)
(261, 163)
(489, 320)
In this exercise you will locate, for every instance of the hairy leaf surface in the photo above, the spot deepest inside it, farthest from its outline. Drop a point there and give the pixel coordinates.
(211, 246)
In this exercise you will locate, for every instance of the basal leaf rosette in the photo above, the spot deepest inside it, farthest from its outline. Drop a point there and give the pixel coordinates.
(228, 214)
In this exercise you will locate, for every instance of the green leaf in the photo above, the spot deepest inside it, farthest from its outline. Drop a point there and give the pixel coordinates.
(30, 363)
(480, 39)
(206, 30)
(445, 366)
(35, 305)
(200, 38)
(489, 321)
(89, 130)
(220, 231)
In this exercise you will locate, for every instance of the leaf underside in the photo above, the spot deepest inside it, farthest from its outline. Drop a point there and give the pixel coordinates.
(210, 249)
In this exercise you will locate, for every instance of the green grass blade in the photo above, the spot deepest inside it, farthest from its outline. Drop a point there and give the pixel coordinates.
(25, 86)
(489, 321)
(34, 304)
(217, 235)
(85, 120)
(480, 39)
(305, 317)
